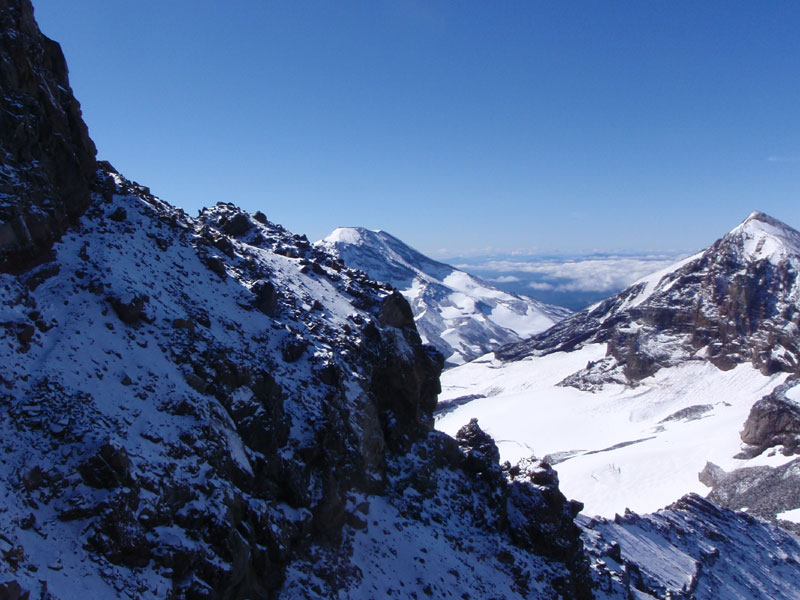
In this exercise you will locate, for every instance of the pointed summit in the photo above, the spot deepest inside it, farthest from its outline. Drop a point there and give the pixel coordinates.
(734, 302)
(762, 237)
(758, 218)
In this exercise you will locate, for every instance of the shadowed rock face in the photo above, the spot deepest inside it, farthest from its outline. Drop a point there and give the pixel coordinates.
(773, 421)
(735, 302)
(48, 159)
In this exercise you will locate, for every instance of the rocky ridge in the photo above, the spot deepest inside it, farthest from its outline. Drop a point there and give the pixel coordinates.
(211, 407)
(692, 549)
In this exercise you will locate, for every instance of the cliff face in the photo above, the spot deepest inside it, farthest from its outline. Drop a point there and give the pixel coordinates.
(48, 159)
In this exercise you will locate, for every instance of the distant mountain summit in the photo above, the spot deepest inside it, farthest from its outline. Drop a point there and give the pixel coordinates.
(463, 316)
(736, 301)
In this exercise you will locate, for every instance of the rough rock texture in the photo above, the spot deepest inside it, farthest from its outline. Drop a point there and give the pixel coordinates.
(772, 429)
(173, 439)
(737, 301)
(774, 421)
(48, 161)
(694, 550)
(213, 407)
(762, 491)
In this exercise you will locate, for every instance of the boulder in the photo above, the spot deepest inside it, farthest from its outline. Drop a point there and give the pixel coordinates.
(266, 297)
(129, 307)
(238, 225)
(109, 467)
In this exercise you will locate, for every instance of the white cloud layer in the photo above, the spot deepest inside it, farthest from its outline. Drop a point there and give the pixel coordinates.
(593, 274)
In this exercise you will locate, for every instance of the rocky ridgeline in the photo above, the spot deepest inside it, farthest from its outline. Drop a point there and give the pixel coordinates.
(47, 157)
(735, 302)
(691, 549)
(208, 408)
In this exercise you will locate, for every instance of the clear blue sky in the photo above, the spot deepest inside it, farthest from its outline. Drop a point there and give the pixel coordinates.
(551, 126)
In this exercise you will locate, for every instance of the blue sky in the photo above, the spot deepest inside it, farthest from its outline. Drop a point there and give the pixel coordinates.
(459, 127)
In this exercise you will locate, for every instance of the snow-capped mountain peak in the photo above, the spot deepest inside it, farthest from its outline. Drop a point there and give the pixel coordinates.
(463, 316)
(761, 237)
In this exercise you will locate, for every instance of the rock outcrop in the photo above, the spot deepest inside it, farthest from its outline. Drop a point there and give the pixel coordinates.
(191, 444)
(212, 407)
(773, 421)
(48, 159)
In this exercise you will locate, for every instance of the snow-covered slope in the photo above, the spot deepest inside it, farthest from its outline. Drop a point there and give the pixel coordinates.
(461, 315)
(213, 408)
(692, 550)
(633, 396)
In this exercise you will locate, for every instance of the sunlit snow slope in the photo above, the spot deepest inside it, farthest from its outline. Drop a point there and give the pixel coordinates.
(631, 397)
(461, 315)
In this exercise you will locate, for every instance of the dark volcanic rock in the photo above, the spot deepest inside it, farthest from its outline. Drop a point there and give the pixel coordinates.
(48, 159)
(11, 590)
(108, 468)
(480, 451)
(761, 491)
(266, 297)
(773, 421)
(541, 517)
(396, 312)
(129, 307)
